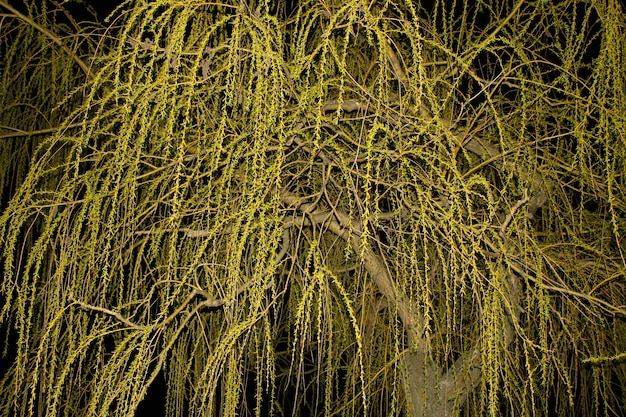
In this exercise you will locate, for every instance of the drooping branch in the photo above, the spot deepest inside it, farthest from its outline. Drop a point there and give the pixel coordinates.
(50, 35)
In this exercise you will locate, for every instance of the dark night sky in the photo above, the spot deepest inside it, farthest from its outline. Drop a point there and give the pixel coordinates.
(103, 7)
(77, 8)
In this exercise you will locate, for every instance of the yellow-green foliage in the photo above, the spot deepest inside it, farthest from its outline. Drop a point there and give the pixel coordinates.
(346, 208)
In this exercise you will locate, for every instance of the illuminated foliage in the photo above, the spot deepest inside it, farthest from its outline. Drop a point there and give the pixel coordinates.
(324, 208)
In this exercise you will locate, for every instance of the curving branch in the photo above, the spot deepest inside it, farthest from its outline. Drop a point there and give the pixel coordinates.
(49, 34)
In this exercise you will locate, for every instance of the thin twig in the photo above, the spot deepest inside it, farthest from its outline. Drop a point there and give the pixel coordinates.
(18, 132)
(509, 216)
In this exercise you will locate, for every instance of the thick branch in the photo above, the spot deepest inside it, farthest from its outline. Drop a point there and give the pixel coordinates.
(421, 371)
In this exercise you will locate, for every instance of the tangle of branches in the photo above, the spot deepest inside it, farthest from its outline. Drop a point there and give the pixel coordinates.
(317, 207)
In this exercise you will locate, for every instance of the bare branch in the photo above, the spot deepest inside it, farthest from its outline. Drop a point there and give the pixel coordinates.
(106, 311)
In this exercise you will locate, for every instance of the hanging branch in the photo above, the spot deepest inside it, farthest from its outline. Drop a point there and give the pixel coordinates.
(50, 35)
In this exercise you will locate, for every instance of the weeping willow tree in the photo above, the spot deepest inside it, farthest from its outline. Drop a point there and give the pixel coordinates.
(316, 208)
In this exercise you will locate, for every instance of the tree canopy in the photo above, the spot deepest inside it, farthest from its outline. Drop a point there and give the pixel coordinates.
(313, 207)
